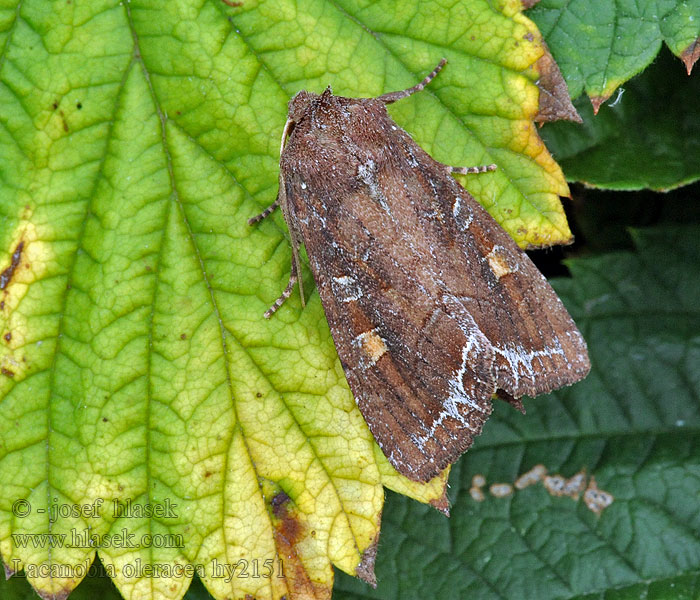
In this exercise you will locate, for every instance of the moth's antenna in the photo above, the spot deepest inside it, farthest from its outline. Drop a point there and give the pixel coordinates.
(270, 209)
(394, 96)
(285, 134)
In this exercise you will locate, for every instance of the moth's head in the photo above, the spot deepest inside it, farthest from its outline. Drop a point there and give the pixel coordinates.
(299, 104)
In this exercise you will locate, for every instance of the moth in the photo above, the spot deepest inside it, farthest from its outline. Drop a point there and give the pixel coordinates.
(433, 308)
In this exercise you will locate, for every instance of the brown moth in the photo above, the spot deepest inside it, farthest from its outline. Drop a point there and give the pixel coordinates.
(433, 307)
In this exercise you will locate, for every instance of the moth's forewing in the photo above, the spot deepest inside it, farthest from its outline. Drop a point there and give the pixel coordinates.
(537, 344)
(432, 306)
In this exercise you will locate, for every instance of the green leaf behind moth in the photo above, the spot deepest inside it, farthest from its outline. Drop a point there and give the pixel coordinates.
(683, 587)
(599, 44)
(633, 426)
(649, 137)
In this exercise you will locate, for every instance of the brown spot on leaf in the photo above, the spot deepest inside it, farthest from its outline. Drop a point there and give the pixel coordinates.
(576, 484)
(55, 104)
(478, 480)
(6, 372)
(554, 484)
(233, 4)
(529, 37)
(500, 490)
(279, 504)
(691, 54)
(8, 336)
(442, 503)
(531, 477)
(596, 101)
(7, 274)
(258, 395)
(554, 102)
(528, 3)
(79, 105)
(597, 500)
(288, 531)
(365, 570)
(183, 336)
(8, 571)
(475, 491)
(557, 485)
(105, 419)
(477, 494)
(60, 595)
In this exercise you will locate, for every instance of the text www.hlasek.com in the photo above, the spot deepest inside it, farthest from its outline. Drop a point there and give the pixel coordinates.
(87, 539)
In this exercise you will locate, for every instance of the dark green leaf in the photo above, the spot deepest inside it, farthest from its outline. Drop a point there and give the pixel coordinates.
(599, 45)
(683, 587)
(649, 137)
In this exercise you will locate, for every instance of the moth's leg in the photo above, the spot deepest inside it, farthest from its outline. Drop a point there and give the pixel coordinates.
(468, 170)
(293, 278)
(394, 96)
(267, 212)
(296, 262)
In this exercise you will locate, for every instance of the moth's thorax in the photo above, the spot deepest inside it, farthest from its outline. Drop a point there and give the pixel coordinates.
(299, 105)
(333, 132)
